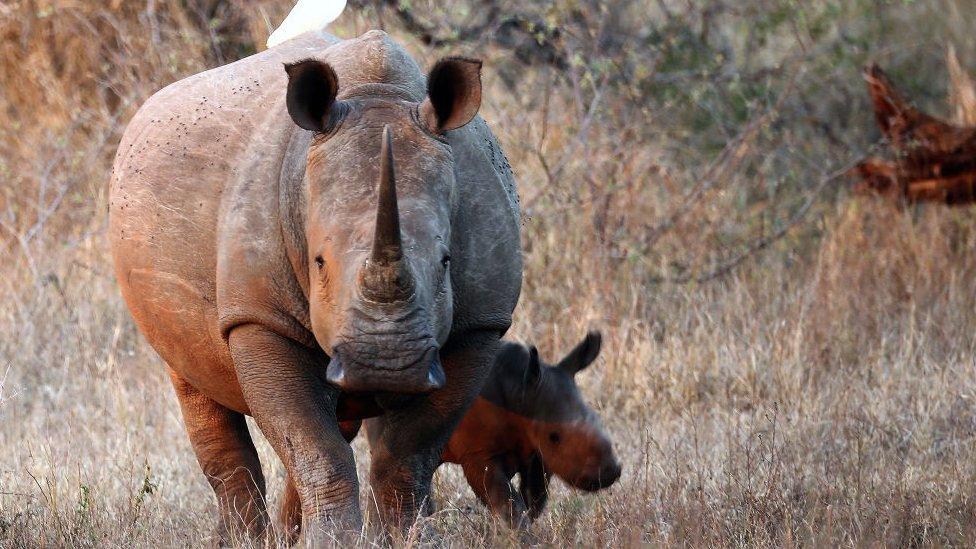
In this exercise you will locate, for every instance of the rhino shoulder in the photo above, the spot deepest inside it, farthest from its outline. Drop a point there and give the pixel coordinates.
(486, 239)
(481, 150)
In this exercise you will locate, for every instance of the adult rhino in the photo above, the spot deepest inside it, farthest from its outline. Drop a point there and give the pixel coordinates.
(313, 234)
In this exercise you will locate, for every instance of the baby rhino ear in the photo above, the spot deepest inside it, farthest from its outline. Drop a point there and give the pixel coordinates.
(583, 355)
(453, 94)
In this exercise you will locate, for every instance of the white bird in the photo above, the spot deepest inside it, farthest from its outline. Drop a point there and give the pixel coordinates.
(307, 15)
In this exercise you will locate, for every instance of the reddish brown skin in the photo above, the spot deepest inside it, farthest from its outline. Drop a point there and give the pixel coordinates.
(307, 236)
(492, 444)
(934, 161)
(506, 432)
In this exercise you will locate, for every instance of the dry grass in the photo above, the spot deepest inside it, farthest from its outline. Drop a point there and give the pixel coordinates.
(822, 393)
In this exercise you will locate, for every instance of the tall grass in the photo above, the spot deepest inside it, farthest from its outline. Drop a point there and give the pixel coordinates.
(821, 391)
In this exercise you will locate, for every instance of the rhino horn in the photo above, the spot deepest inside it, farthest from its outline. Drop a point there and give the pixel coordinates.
(386, 277)
(387, 246)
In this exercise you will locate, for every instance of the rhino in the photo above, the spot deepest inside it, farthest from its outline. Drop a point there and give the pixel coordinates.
(530, 419)
(314, 234)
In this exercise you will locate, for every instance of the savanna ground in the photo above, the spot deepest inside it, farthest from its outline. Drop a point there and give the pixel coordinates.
(783, 364)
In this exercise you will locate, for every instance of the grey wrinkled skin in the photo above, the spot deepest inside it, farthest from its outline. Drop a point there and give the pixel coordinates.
(530, 420)
(252, 252)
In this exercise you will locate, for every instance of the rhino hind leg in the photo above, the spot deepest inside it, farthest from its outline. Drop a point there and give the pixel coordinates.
(226, 454)
(290, 513)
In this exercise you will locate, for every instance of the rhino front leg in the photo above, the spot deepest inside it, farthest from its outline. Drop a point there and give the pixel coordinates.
(493, 486)
(295, 409)
(229, 460)
(534, 485)
(290, 514)
(406, 443)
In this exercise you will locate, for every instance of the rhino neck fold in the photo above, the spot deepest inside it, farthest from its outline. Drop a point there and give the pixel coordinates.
(293, 201)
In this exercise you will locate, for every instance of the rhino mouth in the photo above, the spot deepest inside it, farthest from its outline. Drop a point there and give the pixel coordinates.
(368, 369)
(599, 480)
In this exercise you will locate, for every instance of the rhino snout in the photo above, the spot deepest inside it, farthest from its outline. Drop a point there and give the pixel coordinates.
(610, 474)
(596, 466)
(604, 477)
(367, 374)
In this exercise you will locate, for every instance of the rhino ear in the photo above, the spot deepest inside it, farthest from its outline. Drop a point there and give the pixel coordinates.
(453, 94)
(312, 89)
(583, 354)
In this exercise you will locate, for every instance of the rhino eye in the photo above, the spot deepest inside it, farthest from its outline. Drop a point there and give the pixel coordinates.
(554, 437)
(319, 262)
(446, 261)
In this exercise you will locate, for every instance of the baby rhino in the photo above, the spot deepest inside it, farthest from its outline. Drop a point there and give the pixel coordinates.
(530, 419)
